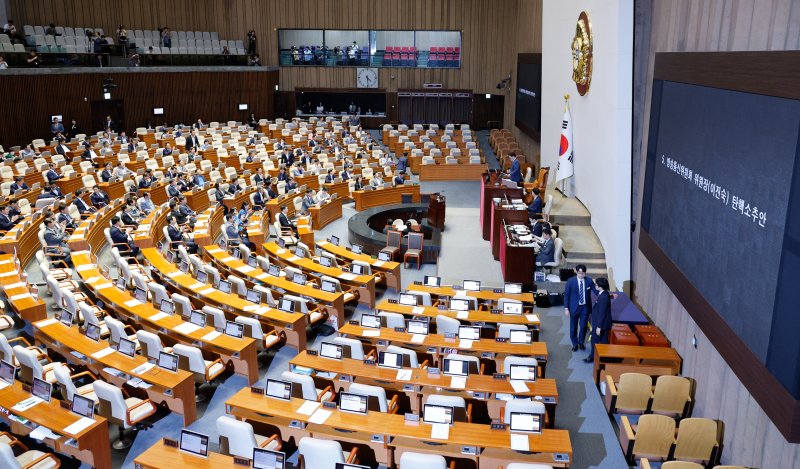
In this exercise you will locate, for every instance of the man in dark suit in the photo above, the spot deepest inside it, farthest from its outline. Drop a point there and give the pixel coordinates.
(172, 189)
(60, 212)
(176, 235)
(284, 220)
(578, 306)
(18, 184)
(127, 218)
(88, 154)
(99, 198)
(260, 198)
(535, 208)
(6, 222)
(514, 172)
(146, 181)
(61, 148)
(107, 173)
(83, 207)
(52, 174)
(330, 177)
(547, 251)
(122, 238)
(192, 141)
(601, 317)
(55, 239)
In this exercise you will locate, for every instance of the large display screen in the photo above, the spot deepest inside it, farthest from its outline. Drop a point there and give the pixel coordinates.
(528, 113)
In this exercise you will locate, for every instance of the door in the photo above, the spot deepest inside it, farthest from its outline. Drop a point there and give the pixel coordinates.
(107, 107)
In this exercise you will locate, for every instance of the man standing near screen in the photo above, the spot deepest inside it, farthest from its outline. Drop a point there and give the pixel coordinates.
(578, 306)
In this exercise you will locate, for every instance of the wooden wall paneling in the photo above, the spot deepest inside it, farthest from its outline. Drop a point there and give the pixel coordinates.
(751, 439)
(184, 96)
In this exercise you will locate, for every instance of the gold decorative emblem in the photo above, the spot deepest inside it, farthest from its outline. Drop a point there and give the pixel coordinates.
(582, 54)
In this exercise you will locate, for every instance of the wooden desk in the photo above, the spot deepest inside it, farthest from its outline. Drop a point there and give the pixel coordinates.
(238, 353)
(356, 427)
(451, 172)
(488, 192)
(23, 239)
(161, 456)
(288, 323)
(273, 206)
(499, 215)
(328, 212)
(148, 233)
(517, 262)
(423, 384)
(364, 284)
(483, 295)
(17, 292)
(158, 193)
(198, 199)
(608, 356)
(332, 303)
(439, 347)
(390, 269)
(89, 232)
(341, 189)
(92, 445)
(176, 390)
(70, 185)
(385, 196)
(115, 190)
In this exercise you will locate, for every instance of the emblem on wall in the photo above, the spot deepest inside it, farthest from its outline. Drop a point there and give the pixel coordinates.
(582, 54)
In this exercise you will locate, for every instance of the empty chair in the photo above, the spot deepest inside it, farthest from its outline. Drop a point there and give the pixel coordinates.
(377, 397)
(205, 371)
(672, 396)
(90, 316)
(151, 344)
(237, 438)
(355, 345)
(309, 390)
(116, 330)
(324, 454)
(67, 384)
(27, 459)
(31, 367)
(239, 287)
(527, 406)
(216, 315)
(461, 411)
(264, 340)
(7, 353)
(558, 246)
(159, 293)
(631, 395)
(410, 460)
(698, 441)
(123, 412)
(447, 325)
(393, 319)
(415, 248)
(504, 330)
(645, 464)
(182, 305)
(413, 360)
(652, 439)
(475, 366)
(393, 242)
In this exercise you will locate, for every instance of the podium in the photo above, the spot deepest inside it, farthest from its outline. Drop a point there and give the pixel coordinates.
(436, 206)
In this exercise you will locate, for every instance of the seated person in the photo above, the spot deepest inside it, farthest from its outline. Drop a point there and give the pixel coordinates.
(323, 195)
(127, 217)
(284, 221)
(55, 238)
(50, 192)
(179, 235)
(330, 177)
(6, 221)
(377, 180)
(399, 179)
(259, 178)
(83, 207)
(107, 173)
(260, 198)
(18, 185)
(147, 204)
(535, 208)
(547, 249)
(291, 184)
(173, 190)
(121, 237)
(122, 171)
(52, 174)
(60, 212)
(99, 198)
(147, 180)
(308, 201)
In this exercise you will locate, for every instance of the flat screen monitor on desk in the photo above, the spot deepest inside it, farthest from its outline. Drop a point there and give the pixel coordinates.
(122, 284)
(512, 308)
(184, 267)
(390, 360)
(268, 459)
(331, 350)
(469, 332)
(334, 240)
(299, 279)
(431, 281)
(526, 422)
(357, 269)
(471, 285)
(408, 299)
(194, 443)
(140, 295)
(253, 296)
(522, 372)
(168, 361)
(167, 306)
(286, 305)
(384, 256)
(417, 327)
(93, 332)
(372, 321)
(127, 347)
(512, 288)
(234, 329)
(279, 389)
(520, 336)
(328, 286)
(299, 252)
(432, 413)
(459, 304)
(344, 465)
(82, 406)
(355, 403)
(325, 261)
(454, 367)
(66, 318)
(274, 270)
(224, 286)
(7, 372)
(198, 318)
(202, 276)
(42, 389)
(357, 248)
(252, 261)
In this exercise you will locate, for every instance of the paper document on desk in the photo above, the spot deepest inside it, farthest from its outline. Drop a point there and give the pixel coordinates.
(15, 285)
(440, 431)
(81, 268)
(308, 407)
(262, 310)
(79, 426)
(143, 368)
(465, 343)
(347, 276)
(462, 314)
(92, 279)
(9, 274)
(520, 442)
(21, 296)
(519, 386)
(245, 269)
(372, 333)
(532, 317)
(103, 286)
(250, 308)
(45, 322)
(228, 259)
(417, 310)
(41, 433)
(102, 353)
(3, 384)
(207, 291)
(158, 316)
(417, 338)
(174, 273)
(211, 336)
(280, 251)
(458, 382)
(186, 328)
(403, 375)
(320, 416)
(133, 303)
(262, 276)
(26, 404)
(212, 251)
(378, 263)
(197, 285)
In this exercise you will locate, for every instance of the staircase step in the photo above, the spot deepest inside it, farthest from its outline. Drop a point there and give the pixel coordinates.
(574, 220)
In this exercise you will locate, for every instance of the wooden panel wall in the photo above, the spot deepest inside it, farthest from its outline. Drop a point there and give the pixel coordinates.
(707, 25)
(185, 96)
(488, 41)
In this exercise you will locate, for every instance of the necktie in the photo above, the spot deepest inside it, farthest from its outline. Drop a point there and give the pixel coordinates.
(583, 292)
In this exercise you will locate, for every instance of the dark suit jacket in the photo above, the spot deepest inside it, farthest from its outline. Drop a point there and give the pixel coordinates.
(127, 219)
(119, 237)
(572, 295)
(52, 175)
(60, 150)
(106, 175)
(601, 313)
(99, 199)
(535, 207)
(546, 252)
(144, 183)
(514, 173)
(174, 234)
(15, 187)
(284, 220)
(82, 207)
(258, 199)
(5, 223)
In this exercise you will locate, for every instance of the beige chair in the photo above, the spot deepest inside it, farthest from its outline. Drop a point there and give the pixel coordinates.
(123, 412)
(28, 459)
(631, 395)
(205, 371)
(318, 454)
(652, 438)
(673, 396)
(698, 440)
(237, 438)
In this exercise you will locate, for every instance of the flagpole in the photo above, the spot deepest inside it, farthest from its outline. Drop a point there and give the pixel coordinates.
(563, 181)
